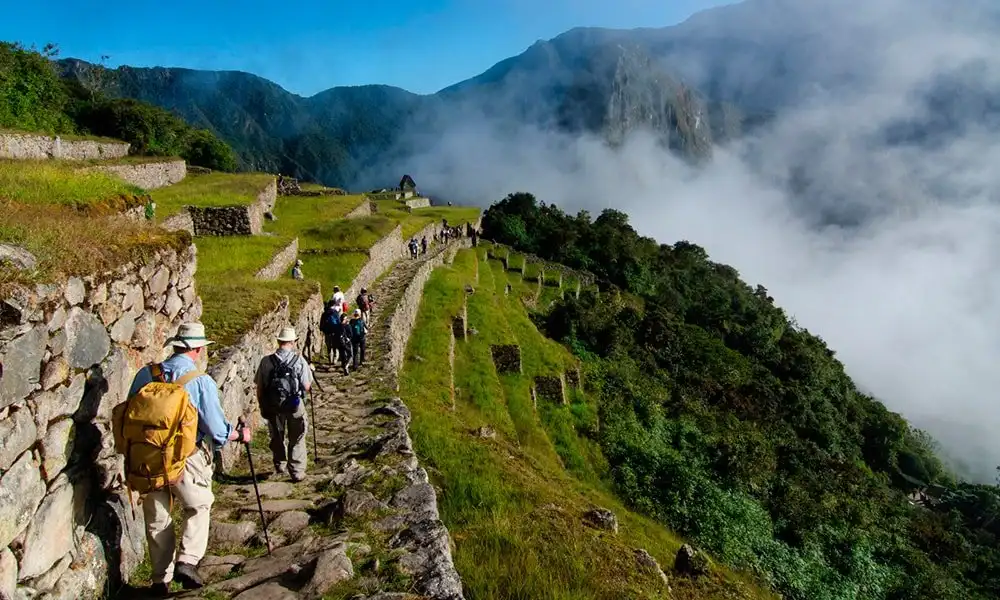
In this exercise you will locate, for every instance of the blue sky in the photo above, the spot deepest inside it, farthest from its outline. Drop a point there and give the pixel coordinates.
(309, 45)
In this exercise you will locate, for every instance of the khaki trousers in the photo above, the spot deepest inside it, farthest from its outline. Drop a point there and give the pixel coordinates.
(194, 493)
(292, 456)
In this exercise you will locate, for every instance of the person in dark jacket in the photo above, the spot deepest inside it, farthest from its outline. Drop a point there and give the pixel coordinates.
(359, 331)
(345, 344)
(329, 326)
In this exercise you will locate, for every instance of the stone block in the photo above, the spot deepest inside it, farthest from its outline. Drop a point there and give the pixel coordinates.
(551, 388)
(50, 534)
(17, 433)
(22, 365)
(87, 341)
(21, 490)
(573, 377)
(506, 358)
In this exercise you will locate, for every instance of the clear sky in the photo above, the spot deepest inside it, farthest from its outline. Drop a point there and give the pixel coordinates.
(309, 45)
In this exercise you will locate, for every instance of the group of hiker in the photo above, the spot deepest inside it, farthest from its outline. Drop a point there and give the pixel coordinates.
(346, 336)
(172, 424)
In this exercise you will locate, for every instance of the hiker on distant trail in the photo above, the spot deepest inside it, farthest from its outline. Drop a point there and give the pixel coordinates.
(283, 379)
(423, 245)
(175, 395)
(345, 344)
(338, 297)
(297, 270)
(359, 331)
(329, 326)
(413, 247)
(475, 238)
(364, 303)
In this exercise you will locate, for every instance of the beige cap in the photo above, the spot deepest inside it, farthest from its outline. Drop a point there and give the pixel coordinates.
(190, 336)
(287, 334)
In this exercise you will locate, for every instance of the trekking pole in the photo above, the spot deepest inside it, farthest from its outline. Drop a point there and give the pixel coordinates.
(253, 475)
(312, 410)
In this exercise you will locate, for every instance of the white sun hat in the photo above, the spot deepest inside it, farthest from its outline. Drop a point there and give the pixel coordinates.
(287, 334)
(190, 336)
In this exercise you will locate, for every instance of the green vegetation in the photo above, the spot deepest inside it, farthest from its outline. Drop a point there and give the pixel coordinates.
(354, 235)
(56, 182)
(723, 419)
(514, 504)
(211, 189)
(298, 215)
(33, 98)
(416, 220)
(62, 216)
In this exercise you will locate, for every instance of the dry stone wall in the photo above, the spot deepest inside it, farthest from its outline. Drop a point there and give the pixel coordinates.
(551, 388)
(506, 358)
(380, 257)
(280, 263)
(40, 147)
(413, 203)
(148, 176)
(182, 221)
(69, 353)
(227, 220)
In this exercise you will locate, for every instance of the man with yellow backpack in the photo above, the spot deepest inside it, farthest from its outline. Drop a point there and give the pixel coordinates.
(167, 429)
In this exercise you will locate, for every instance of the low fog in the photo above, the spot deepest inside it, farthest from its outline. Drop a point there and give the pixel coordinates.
(909, 295)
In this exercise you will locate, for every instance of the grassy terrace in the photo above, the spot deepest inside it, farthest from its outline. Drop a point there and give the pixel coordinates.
(513, 504)
(57, 213)
(413, 222)
(212, 189)
(69, 137)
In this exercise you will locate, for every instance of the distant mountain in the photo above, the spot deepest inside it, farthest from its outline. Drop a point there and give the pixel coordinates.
(695, 85)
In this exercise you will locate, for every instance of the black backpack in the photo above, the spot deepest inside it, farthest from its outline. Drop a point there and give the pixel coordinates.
(281, 394)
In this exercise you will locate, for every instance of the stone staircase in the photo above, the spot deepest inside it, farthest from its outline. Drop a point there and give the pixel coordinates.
(364, 523)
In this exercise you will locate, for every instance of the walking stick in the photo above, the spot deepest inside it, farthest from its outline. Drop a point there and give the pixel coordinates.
(253, 475)
(312, 410)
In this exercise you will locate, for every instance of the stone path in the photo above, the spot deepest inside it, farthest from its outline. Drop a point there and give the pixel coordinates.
(364, 523)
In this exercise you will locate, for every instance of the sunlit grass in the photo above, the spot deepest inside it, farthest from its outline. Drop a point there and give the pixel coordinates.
(210, 189)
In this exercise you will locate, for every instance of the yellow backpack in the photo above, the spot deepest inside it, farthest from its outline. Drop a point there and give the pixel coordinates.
(157, 430)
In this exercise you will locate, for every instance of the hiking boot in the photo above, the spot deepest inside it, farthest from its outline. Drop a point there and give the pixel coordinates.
(158, 590)
(297, 478)
(187, 575)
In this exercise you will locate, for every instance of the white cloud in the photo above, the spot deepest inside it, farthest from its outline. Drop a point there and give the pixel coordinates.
(910, 299)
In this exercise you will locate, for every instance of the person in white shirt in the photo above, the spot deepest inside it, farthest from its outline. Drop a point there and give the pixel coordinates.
(337, 300)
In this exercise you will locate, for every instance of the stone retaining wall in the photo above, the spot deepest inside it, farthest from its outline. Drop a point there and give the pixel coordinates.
(150, 175)
(506, 358)
(40, 147)
(381, 256)
(69, 353)
(236, 367)
(413, 203)
(551, 388)
(280, 263)
(182, 221)
(228, 220)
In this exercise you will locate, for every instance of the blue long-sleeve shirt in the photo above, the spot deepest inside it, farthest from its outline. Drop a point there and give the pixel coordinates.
(204, 396)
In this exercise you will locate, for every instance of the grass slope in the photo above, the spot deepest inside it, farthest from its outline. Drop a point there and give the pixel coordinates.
(210, 189)
(513, 504)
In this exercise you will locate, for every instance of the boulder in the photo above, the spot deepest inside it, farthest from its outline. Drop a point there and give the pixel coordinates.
(123, 329)
(291, 523)
(231, 534)
(358, 503)
(601, 518)
(690, 562)
(268, 591)
(646, 561)
(57, 320)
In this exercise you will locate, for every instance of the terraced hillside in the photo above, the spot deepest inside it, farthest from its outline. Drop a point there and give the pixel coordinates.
(518, 481)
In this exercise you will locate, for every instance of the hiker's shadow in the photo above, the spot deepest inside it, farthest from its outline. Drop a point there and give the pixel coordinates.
(229, 479)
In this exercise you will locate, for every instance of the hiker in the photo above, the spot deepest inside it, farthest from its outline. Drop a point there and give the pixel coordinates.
(364, 303)
(329, 326)
(337, 299)
(413, 247)
(475, 238)
(178, 393)
(283, 379)
(297, 270)
(345, 344)
(423, 245)
(359, 331)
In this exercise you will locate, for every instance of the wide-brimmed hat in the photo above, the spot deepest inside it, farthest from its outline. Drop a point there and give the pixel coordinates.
(287, 334)
(298, 262)
(190, 336)
(357, 312)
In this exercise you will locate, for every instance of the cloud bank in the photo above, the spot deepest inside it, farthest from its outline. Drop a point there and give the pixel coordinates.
(908, 295)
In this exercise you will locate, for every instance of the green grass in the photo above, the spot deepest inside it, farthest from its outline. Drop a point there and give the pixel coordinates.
(57, 182)
(413, 222)
(224, 255)
(61, 216)
(211, 189)
(335, 268)
(233, 303)
(297, 214)
(513, 505)
(354, 235)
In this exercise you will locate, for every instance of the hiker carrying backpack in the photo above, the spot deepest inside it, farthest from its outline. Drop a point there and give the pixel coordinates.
(157, 430)
(282, 393)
